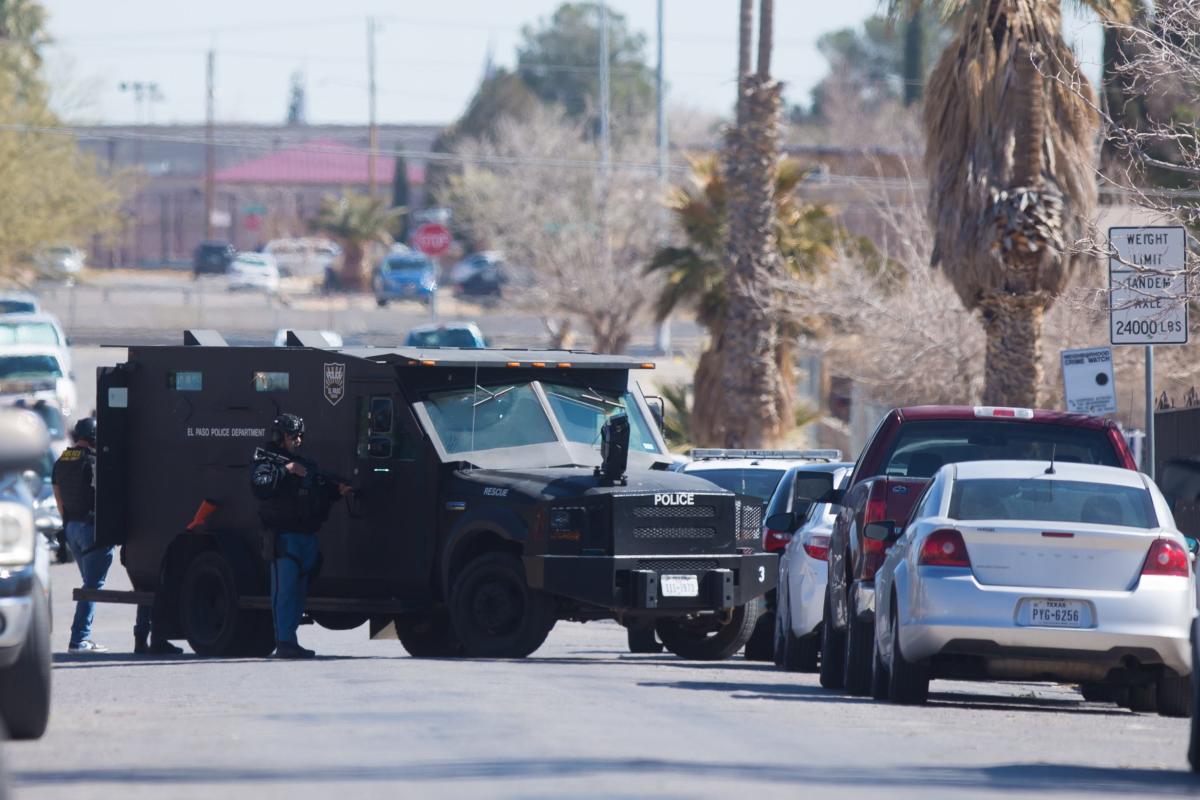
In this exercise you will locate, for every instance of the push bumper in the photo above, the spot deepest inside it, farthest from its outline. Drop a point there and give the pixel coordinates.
(635, 582)
(16, 611)
(955, 614)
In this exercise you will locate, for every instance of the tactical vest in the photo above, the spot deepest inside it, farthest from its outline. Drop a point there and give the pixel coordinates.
(75, 477)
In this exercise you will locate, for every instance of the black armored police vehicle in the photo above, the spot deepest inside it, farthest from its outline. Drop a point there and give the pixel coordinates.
(496, 492)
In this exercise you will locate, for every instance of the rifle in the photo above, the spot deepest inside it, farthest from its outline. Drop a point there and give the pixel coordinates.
(263, 454)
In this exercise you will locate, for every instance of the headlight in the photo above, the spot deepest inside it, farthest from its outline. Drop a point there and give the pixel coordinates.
(16, 535)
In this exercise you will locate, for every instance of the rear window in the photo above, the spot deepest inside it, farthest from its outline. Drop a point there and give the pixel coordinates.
(759, 483)
(922, 447)
(448, 337)
(1052, 501)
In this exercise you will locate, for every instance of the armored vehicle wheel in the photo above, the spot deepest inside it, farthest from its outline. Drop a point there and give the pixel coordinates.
(428, 637)
(702, 640)
(25, 685)
(208, 608)
(494, 612)
(642, 639)
(338, 621)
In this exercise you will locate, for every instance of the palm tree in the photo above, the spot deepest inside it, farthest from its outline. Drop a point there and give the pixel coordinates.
(750, 379)
(356, 221)
(1011, 147)
(806, 236)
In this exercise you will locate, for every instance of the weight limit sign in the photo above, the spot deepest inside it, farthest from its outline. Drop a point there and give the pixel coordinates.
(1147, 280)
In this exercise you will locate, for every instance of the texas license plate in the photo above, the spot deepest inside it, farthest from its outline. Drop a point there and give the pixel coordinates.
(1056, 613)
(679, 585)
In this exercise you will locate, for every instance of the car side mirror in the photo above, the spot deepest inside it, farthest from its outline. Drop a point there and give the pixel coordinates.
(1193, 545)
(657, 411)
(881, 531)
(33, 482)
(783, 521)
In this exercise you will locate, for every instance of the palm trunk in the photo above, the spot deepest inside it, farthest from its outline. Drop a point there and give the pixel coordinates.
(1013, 364)
(914, 57)
(352, 274)
(708, 407)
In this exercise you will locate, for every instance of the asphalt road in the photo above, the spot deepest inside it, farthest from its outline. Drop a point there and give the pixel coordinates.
(582, 718)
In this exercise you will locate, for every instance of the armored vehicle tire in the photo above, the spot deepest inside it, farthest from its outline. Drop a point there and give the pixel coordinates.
(761, 646)
(859, 649)
(494, 612)
(208, 609)
(833, 649)
(25, 685)
(697, 640)
(428, 637)
(1174, 696)
(339, 620)
(642, 639)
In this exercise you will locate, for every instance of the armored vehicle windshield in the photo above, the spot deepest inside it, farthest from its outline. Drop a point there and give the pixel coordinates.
(533, 423)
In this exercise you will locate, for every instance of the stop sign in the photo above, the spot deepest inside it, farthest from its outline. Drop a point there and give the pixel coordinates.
(432, 239)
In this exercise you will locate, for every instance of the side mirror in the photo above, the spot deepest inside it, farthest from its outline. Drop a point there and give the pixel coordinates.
(1193, 545)
(657, 410)
(784, 521)
(614, 448)
(881, 531)
(33, 482)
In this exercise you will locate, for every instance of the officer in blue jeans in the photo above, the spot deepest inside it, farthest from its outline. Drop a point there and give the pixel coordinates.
(74, 481)
(294, 501)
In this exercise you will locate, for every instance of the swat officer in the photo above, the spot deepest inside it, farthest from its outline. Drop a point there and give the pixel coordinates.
(294, 501)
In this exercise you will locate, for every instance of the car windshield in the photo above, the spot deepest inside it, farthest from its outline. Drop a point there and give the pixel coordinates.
(446, 337)
(752, 481)
(31, 366)
(406, 266)
(581, 413)
(1052, 501)
(28, 333)
(490, 417)
(923, 446)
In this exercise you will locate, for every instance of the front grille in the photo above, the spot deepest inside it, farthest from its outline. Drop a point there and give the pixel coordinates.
(674, 533)
(677, 564)
(749, 522)
(675, 512)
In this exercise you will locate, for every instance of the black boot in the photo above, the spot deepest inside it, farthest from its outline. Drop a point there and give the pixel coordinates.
(292, 650)
(156, 647)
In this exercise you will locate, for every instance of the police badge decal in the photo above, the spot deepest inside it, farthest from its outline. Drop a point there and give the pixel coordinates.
(335, 383)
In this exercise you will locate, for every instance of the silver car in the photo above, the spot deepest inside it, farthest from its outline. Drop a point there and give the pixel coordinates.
(1026, 570)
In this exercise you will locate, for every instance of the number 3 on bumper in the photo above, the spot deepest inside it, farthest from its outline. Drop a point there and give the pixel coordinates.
(762, 574)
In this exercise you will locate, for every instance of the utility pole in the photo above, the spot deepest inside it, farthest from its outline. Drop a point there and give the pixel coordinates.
(210, 163)
(373, 128)
(605, 136)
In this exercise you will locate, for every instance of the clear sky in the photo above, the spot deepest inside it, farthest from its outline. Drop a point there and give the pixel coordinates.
(430, 52)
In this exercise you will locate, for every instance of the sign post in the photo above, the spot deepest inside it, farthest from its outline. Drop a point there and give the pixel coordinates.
(1147, 284)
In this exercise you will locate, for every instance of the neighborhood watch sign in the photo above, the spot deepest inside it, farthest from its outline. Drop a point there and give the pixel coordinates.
(335, 383)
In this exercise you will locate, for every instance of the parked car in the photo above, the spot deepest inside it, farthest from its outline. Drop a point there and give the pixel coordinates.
(305, 257)
(254, 271)
(1028, 570)
(36, 328)
(759, 473)
(38, 371)
(907, 448)
(449, 334)
(472, 265)
(213, 258)
(804, 529)
(24, 581)
(51, 416)
(1194, 735)
(405, 276)
(59, 261)
(18, 303)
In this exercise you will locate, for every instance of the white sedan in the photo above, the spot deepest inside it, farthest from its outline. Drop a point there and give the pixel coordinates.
(39, 372)
(254, 271)
(1024, 570)
(803, 573)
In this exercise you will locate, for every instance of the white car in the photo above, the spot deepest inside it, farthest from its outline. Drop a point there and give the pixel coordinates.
(254, 271)
(61, 260)
(37, 371)
(304, 257)
(803, 574)
(18, 303)
(1028, 570)
(38, 328)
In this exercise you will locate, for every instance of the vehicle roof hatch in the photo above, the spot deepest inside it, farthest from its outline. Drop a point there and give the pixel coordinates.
(314, 339)
(203, 338)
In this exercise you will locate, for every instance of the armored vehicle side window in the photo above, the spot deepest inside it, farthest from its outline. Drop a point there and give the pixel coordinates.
(489, 417)
(380, 434)
(271, 381)
(582, 413)
(185, 381)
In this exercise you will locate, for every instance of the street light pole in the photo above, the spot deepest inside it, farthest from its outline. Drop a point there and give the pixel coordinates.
(373, 129)
(210, 163)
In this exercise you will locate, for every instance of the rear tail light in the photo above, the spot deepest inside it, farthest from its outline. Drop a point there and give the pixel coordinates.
(1166, 558)
(944, 548)
(775, 541)
(818, 547)
(876, 511)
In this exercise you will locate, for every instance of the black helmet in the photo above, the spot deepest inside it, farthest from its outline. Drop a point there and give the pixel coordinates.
(286, 424)
(85, 429)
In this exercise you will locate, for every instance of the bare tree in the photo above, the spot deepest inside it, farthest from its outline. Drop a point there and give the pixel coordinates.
(531, 190)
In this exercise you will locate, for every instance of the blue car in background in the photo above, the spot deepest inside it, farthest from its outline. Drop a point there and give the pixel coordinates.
(406, 276)
(447, 334)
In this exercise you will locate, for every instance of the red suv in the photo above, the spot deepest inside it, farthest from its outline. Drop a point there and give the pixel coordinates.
(907, 448)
